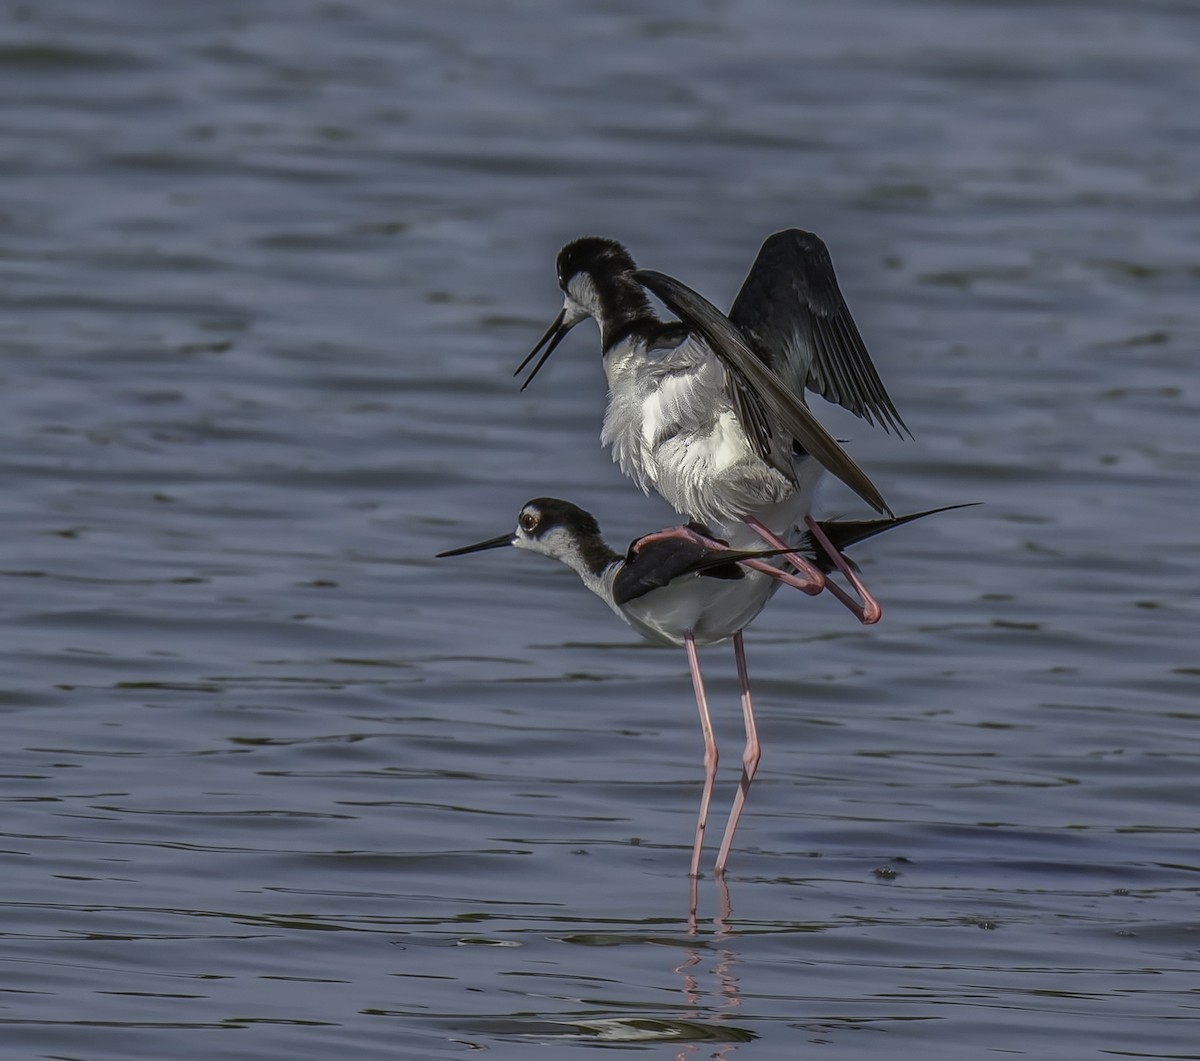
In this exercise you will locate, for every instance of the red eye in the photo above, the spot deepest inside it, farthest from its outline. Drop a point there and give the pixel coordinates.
(528, 521)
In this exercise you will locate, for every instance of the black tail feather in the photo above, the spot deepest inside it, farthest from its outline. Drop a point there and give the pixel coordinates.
(846, 532)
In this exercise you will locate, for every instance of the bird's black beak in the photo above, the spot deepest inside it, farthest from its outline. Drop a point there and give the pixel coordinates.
(555, 334)
(478, 547)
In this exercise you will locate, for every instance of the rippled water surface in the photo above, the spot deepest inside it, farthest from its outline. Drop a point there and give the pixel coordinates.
(271, 770)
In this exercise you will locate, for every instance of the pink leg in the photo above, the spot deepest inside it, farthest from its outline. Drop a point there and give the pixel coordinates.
(813, 581)
(721, 921)
(684, 533)
(868, 611)
(693, 906)
(786, 577)
(688, 535)
(710, 749)
(750, 756)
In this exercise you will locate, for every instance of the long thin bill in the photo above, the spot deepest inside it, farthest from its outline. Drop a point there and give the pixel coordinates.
(558, 332)
(555, 325)
(492, 543)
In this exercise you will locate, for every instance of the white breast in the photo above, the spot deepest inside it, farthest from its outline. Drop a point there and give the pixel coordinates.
(672, 428)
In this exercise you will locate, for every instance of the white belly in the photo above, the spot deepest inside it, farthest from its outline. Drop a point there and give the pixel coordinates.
(713, 609)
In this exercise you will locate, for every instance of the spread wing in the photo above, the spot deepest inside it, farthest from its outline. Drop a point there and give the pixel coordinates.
(772, 413)
(792, 315)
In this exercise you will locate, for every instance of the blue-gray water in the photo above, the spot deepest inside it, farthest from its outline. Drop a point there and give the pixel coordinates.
(277, 784)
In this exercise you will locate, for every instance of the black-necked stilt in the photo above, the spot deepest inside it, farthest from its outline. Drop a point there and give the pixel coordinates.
(709, 411)
(680, 586)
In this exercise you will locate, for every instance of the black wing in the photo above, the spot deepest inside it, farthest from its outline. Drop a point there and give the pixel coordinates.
(763, 400)
(845, 532)
(793, 316)
(658, 563)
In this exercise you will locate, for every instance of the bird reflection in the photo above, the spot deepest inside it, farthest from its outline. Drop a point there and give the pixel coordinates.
(724, 1039)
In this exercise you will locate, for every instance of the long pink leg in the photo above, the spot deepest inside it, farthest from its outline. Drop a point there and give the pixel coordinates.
(868, 611)
(805, 584)
(750, 756)
(786, 577)
(710, 749)
(814, 579)
(684, 534)
(810, 580)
